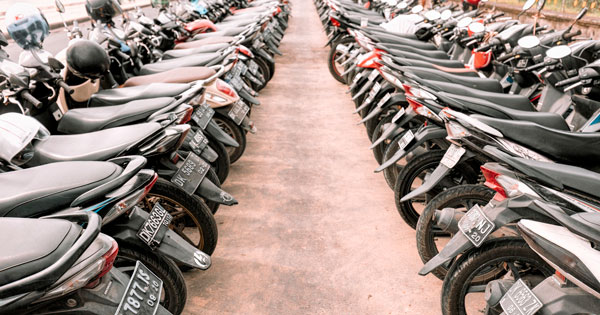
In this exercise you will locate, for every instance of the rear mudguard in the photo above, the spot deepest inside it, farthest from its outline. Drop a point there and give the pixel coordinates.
(507, 211)
(246, 96)
(248, 125)
(272, 46)
(126, 227)
(218, 134)
(210, 191)
(365, 87)
(360, 82)
(428, 133)
(394, 129)
(438, 174)
(263, 53)
(395, 99)
(384, 86)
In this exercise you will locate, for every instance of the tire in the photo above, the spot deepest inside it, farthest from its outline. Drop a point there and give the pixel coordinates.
(464, 196)
(461, 174)
(174, 294)
(222, 164)
(236, 132)
(333, 54)
(270, 66)
(264, 69)
(474, 263)
(380, 148)
(190, 214)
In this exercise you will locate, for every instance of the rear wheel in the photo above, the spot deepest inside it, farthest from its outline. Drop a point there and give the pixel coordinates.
(174, 294)
(335, 67)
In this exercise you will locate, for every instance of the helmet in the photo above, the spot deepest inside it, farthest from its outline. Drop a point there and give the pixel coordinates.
(102, 10)
(26, 25)
(87, 59)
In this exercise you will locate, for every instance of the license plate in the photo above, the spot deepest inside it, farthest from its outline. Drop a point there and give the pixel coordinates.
(453, 155)
(191, 173)
(202, 115)
(198, 143)
(236, 82)
(373, 75)
(522, 63)
(406, 139)
(253, 67)
(476, 226)
(155, 227)
(375, 89)
(356, 78)
(243, 68)
(238, 112)
(399, 114)
(142, 294)
(520, 300)
(384, 99)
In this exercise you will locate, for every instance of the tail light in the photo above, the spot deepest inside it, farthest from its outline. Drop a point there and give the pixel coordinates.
(168, 140)
(421, 109)
(244, 50)
(108, 259)
(504, 185)
(369, 60)
(456, 130)
(185, 116)
(225, 88)
(128, 202)
(335, 22)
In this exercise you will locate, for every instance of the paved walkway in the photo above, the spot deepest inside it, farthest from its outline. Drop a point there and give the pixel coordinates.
(316, 231)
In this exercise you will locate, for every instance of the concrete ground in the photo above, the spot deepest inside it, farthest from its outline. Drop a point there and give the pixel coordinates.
(316, 231)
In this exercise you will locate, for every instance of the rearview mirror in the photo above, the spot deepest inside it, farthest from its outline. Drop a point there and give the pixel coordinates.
(402, 5)
(528, 4)
(464, 22)
(540, 5)
(432, 15)
(529, 41)
(446, 14)
(59, 6)
(558, 52)
(581, 14)
(416, 9)
(476, 27)
(55, 63)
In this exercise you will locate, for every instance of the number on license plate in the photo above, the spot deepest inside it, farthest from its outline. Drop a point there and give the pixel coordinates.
(520, 300)
(238, 112)
(191, 173)
(384, 99)
(154, 229)
(399, 114)
(452, 156)
(476, 226)
(406, 139)
(143, 292)
(202, 115)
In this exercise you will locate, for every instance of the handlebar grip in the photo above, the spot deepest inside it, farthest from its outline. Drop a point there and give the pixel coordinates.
(497, 15)
(506, 57)
(568, 36)
(65, 87)
(31, 99)
(483, 48)
(567, 81)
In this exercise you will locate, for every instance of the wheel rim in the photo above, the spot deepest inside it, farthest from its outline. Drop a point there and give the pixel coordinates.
(225, 127)
(184, 223)
(337, 65)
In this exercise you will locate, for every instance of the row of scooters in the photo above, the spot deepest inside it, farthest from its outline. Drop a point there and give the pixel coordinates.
(486, 129)
(113, 152)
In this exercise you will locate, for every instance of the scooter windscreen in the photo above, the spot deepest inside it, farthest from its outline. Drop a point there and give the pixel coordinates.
(17, 133)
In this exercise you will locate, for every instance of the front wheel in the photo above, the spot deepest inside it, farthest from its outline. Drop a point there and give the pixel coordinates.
(174, 294)
(192, 219)
(507, 259)
(236, 132)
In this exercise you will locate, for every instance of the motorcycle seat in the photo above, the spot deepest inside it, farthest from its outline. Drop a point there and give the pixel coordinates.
(188, 61)
(226, 32)
(571, 176)
(484, 84)
(94, 146)
(387, 39)
(177, 53)
(514, 101)
(85, 120)
(124, 95)
(31, 245)
(399, 49)
(486, 107)
(588, 219)
(37, 191)
(440, 62)
(204, 42)
(576, 148)
(178, 75)
(424, 64)
(356, 18)
(378, 29)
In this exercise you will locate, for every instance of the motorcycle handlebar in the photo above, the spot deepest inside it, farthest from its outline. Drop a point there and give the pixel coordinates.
(65, 86)
(567, 81)
(506, 57)
(569, 36)
(31, 99)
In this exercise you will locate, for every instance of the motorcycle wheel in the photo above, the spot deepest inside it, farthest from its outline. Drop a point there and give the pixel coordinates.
(236, 132)
(495, 259)
(463, 197)
(264, 69)
(192, 219)
(336, 68)
(174, 294)
(270, 67)
(222, 164)
(413, 175)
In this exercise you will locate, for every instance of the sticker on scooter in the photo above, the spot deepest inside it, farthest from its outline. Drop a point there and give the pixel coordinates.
(155, 227)
(191, 173)
(520, 300)
(143, 292)
(198, 143)
(399, 114)
(476, 226)
(452, 156)
(238, 112)
(384, 99)
(406, 139)
(202, 115)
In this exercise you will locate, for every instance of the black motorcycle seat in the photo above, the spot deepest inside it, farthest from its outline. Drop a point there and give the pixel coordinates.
(575, 148)
(570, 176)
(178, 53)
(440, 62)
(94, 146)
(187, 61)
(226, 32)
(485, 107)
(399, 49)
(403, 62)
(357, 18)
(514, 101)
(84, 120)
(588, 219)
(380, 30)
(128, 94)
(483, 84)
(387, 39)
(37, 191)
(31, 245)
